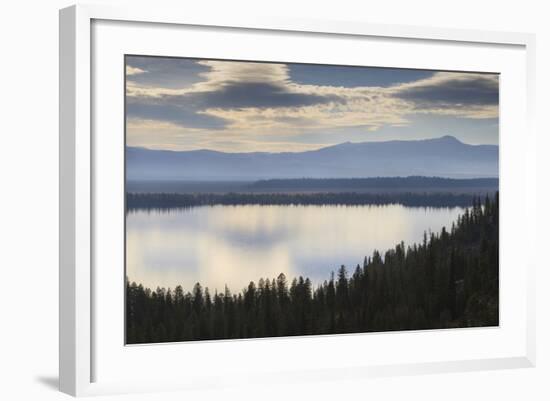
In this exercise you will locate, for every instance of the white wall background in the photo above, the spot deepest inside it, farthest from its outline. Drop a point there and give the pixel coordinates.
(29, 195)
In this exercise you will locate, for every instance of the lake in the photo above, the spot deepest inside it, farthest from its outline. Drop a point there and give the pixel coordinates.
(233, 245)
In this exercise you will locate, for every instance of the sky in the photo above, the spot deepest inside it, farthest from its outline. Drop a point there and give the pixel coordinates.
(235, 106)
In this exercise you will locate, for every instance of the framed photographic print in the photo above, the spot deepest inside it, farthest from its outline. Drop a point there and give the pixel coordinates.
(357, 195)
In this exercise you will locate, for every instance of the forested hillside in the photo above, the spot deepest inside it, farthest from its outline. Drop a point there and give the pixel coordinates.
(449, 280)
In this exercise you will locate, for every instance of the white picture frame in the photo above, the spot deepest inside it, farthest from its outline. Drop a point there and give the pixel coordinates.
(82, 158)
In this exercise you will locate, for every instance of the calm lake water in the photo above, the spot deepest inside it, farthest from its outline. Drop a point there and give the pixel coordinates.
(233, 245)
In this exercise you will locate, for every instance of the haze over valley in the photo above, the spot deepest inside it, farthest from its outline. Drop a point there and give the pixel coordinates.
(440, 157)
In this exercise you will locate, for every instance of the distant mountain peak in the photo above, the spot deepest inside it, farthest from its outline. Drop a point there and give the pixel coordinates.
(448, 138)
(441, 140)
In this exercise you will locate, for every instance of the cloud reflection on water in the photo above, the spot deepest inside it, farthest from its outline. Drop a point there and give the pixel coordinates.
(234, 245)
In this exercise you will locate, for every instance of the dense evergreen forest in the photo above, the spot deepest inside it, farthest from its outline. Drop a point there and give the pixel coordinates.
(176, 200)
(417, 184)
(448, 280)
(425, 184)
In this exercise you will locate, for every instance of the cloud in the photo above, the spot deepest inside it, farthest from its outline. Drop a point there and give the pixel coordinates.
(222, 73)
(293, 120)
(352, 76)
(255, 95)
(156, 134)
(161, 72)
(133, 70)
(172, 113)
(245, 100)
(453, 88)
(230, 86)
(212, 76)
(462, 94)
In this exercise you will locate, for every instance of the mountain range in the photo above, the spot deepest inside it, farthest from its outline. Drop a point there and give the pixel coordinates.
(442, 157)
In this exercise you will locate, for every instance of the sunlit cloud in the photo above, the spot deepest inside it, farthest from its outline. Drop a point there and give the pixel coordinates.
(246, 100)
(134, 70)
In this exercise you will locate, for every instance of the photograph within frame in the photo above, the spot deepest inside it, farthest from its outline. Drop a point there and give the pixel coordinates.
(284, 199)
